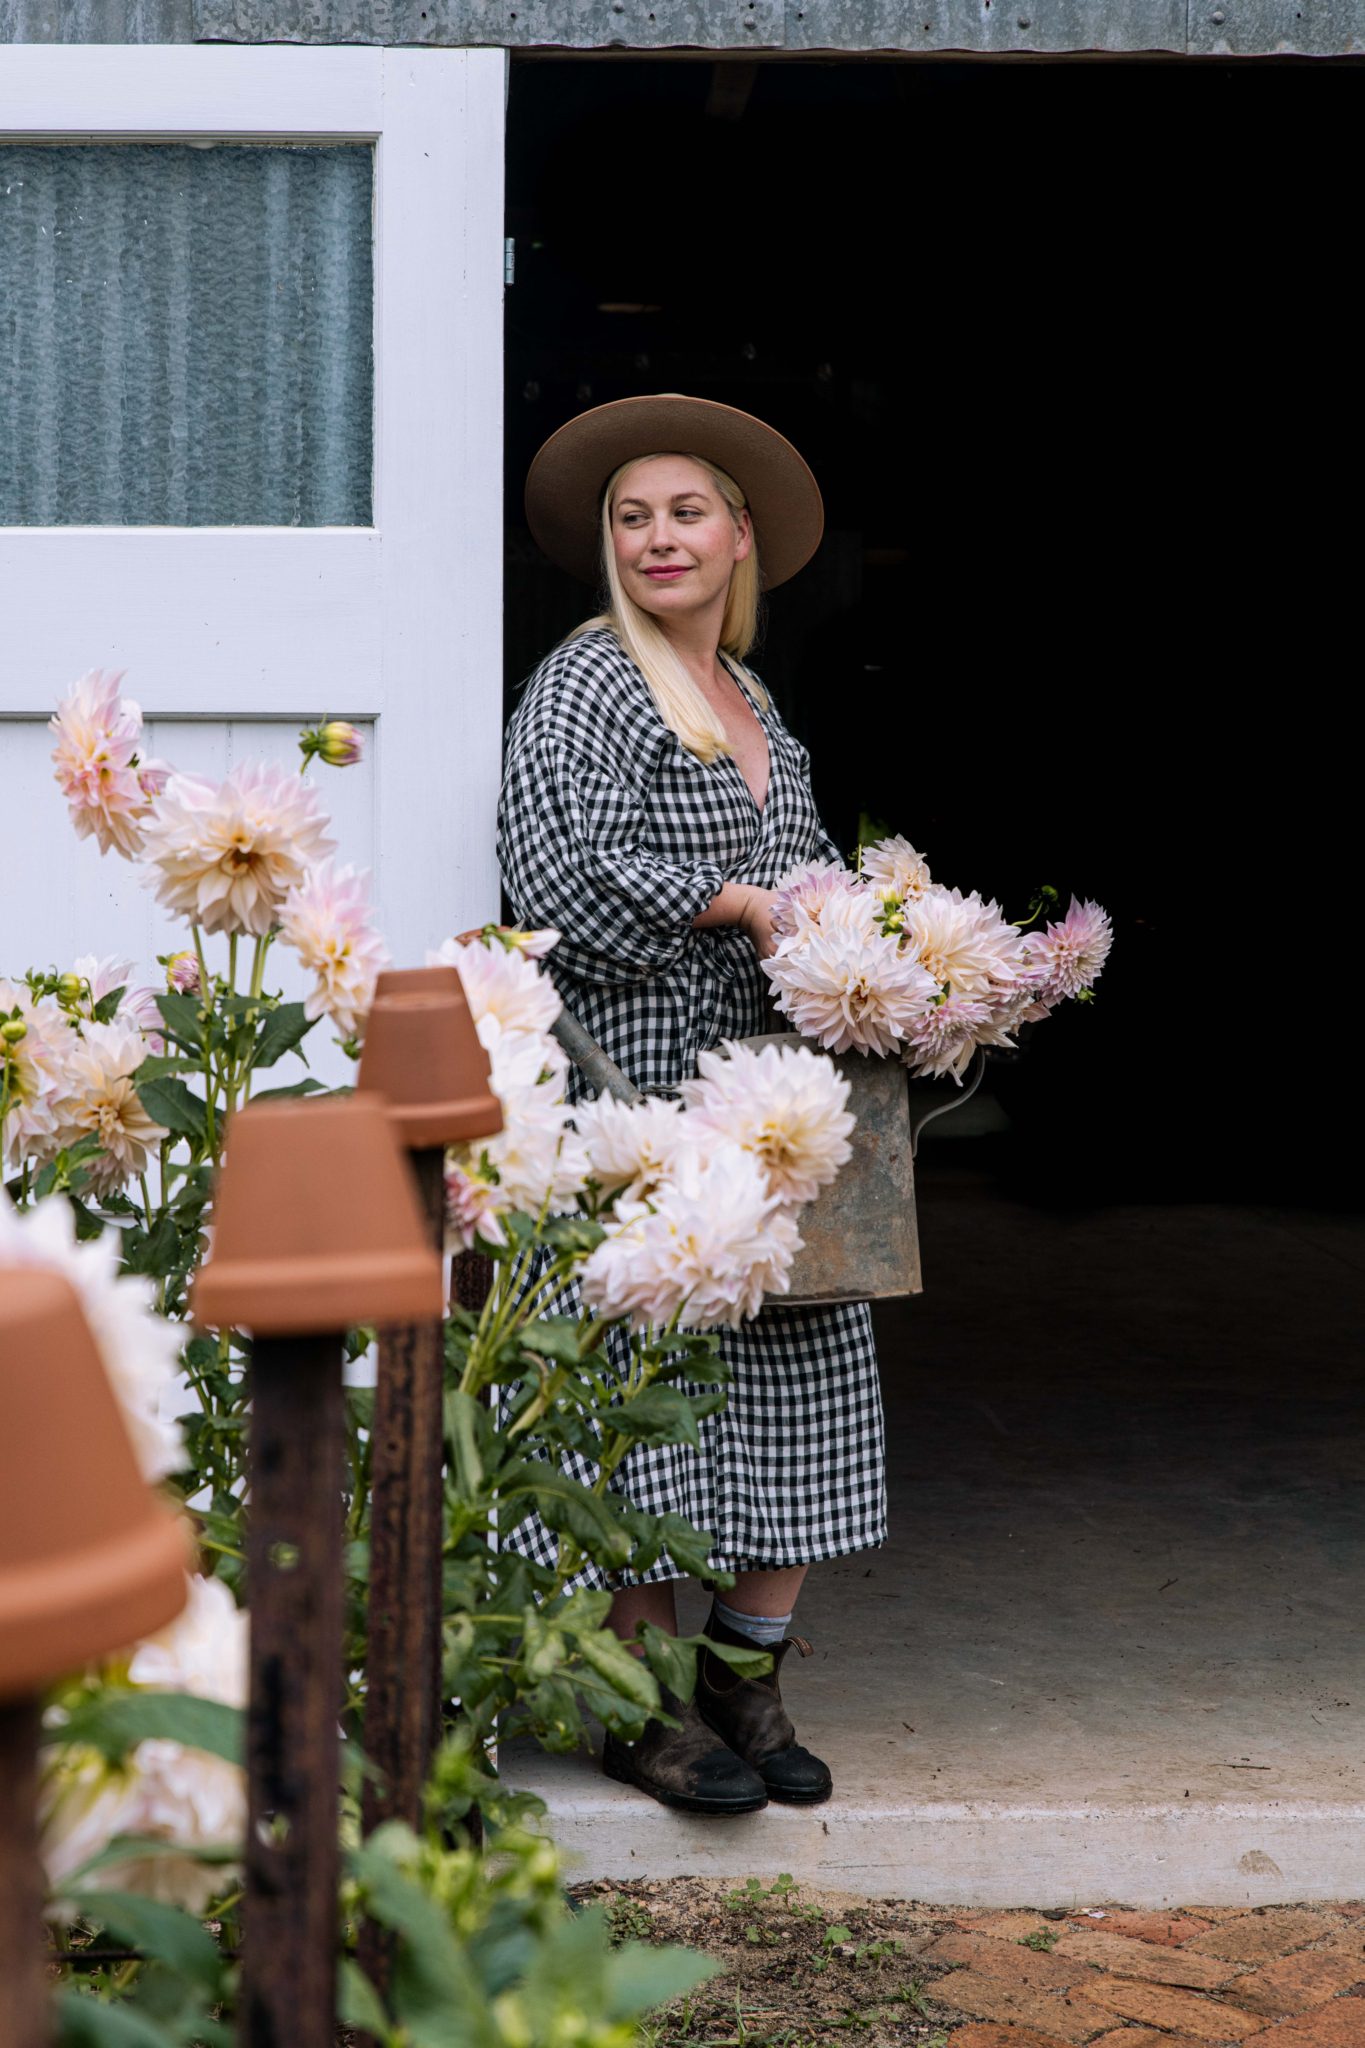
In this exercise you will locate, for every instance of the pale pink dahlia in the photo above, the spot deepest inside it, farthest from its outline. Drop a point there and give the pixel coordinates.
(474, 1205)
(326, 919)
(847, 984)
(710, 1249)
(785, 1105)
(33, 1054)
(108, 786)
(942, 1041)
(803, 892)
(893, 868)
(226, 855)
(1070, 954)
(182, 974)
(631, 1146)
(99, 978)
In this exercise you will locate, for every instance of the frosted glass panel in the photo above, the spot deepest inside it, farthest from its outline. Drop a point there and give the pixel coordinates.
(187, 335)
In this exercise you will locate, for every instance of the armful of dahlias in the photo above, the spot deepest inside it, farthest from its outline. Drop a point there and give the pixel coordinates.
(748, 908)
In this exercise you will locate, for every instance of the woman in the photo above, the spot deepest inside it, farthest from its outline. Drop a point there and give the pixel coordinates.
(653, 800)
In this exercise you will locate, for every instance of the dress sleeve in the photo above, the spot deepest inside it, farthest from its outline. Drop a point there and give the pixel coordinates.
(572, 857)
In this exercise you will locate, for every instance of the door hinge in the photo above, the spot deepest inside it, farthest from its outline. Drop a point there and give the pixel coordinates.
(509, 260)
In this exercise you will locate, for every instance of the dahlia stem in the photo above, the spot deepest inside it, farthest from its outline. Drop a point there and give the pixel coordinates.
(205, 985)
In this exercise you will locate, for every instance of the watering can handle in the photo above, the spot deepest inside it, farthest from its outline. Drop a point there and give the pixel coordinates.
(600, 1071)
(976, 1070)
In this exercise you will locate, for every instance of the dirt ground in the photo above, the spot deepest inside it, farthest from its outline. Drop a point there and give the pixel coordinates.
(799, 1967)
(802, 1968)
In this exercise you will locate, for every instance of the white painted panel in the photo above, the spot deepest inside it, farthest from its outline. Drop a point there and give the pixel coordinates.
(95, 92)
(203, 620)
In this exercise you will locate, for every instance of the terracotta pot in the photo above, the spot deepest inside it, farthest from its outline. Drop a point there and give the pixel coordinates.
(316, 1223)
(423, 1054)
(90, 1558)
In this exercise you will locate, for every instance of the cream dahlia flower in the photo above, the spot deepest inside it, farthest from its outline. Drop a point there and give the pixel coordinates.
(847, 984)
(893, 868)
(326, 919)
(108, 786)
(785, 1105)
(537, 1160)
(225, 855)
(138, 1348)
(714, 1244)
(507, 986)
(163, 1791)
(803, 893)
(1070, 954)
(631, 1146)
(100, 1096)
(964, 944)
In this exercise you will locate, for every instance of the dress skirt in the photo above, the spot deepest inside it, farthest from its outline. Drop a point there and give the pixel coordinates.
(616, 836)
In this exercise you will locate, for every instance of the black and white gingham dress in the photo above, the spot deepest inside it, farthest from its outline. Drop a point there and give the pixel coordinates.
(612, 832)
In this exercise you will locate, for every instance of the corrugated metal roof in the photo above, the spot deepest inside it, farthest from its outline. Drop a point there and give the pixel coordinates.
(1238, 28)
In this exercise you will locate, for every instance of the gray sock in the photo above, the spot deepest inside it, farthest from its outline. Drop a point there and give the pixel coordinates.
(763, 1629)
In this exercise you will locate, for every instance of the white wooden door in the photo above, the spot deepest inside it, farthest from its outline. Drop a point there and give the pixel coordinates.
(234, 635)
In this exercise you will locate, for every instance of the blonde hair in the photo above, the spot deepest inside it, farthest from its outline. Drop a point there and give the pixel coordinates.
(681, 705)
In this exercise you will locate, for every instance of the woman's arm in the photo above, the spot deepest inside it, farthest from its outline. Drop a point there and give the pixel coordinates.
(573, 855)
(748, 908)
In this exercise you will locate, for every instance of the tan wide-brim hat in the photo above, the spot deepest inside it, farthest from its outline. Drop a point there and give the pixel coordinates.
(567, 479)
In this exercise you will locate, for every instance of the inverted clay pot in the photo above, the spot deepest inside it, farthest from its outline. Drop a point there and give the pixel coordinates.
(422, 1053)
(316, 1223)
(90, 1558)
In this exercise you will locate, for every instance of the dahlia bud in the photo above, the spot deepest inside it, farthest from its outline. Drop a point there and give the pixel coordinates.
(69, 991)
(13, 1031)
(182, 974)
(336, 741)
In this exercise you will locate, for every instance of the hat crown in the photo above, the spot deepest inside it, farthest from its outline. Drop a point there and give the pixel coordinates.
(566, 480)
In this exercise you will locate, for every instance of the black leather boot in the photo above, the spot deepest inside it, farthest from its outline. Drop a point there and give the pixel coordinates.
(684, 1766)
(748, 1714)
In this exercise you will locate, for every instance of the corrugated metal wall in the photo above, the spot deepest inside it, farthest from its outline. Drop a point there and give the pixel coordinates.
(1201, 28)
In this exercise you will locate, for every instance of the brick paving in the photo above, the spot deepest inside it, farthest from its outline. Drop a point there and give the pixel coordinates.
(1200, 1977)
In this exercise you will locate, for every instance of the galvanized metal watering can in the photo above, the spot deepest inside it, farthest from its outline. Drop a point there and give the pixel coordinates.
(861, 1242)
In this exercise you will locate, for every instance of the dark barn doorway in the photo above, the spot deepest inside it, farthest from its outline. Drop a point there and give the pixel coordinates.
(1067, 346)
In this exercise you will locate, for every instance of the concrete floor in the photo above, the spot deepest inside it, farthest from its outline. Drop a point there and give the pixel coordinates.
(1111, 1651)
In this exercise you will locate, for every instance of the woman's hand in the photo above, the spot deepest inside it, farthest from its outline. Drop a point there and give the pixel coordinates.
(756, 923)
(747, 909)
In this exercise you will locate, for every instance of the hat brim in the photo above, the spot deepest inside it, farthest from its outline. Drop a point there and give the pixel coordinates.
(566, 480)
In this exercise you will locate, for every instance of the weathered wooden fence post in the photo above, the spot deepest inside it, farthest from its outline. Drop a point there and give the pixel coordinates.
(423, 1055)
(317, 1227)
(89, 1561)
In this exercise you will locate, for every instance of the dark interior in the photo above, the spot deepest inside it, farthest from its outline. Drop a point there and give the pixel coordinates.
(1068, 348)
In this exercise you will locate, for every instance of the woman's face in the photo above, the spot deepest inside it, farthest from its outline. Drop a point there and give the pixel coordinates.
(675, 539)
